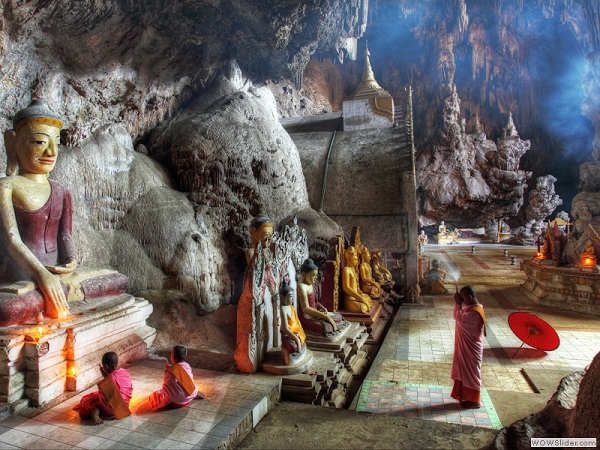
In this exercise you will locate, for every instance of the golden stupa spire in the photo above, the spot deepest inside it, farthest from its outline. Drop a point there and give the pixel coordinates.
(368, 86)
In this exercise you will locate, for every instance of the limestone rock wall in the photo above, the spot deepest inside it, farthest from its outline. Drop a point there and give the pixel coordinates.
(171, 145)
(138, 62)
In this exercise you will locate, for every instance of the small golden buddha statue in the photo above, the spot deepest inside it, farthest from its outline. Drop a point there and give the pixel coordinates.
(380, 272)
(293, 337)
(354, 299)
(587, 258)
(367, 283)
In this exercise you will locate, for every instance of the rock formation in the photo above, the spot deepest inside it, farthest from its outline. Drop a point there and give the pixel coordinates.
(572, 412)
(498, 64)
(466, 176)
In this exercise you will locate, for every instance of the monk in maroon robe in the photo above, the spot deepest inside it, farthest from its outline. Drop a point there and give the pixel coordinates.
(468, 348)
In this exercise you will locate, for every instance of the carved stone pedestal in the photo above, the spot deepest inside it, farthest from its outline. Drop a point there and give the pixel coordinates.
(324, 385)
(366, 318)
(345, 338)
(567, 288)
(42, 363)
(273, 363)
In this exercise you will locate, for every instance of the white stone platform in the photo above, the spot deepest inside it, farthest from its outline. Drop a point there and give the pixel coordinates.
(42, 363)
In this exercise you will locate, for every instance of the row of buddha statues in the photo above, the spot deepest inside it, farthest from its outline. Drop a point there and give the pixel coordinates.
(39, 272)
(364, 279)
(270, 289)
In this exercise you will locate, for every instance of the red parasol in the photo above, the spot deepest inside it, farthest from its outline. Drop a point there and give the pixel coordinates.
(533, 331)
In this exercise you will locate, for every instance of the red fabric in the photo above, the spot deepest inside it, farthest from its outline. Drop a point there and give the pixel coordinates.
(314, 325)
(468, 347)
(465, 394)
(98, 400)
(47, 232)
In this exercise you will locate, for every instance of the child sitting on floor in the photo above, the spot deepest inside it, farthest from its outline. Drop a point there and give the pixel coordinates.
(178, 388)
(111, 401)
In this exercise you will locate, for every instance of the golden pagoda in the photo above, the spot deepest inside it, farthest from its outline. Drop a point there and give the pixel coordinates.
(369, 106)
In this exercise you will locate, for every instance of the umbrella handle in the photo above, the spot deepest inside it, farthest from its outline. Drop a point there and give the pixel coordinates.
(517, 350)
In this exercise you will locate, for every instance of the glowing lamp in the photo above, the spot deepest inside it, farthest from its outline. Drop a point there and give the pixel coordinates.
(587, 261)
(71, 378)
(72, 371)
(40, 332)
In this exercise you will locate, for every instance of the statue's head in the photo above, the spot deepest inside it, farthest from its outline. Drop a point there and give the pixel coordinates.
(286, 293)
(351, 257)
(366, 255)
(261, 230)
(376, 256)
(435, 264)
(32, 144)
(309, 271)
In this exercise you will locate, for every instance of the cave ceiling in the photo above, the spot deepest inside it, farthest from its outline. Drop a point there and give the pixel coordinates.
(139, 62)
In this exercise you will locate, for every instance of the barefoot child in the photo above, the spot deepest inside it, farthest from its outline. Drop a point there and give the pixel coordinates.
(178, 388)
(113, 396)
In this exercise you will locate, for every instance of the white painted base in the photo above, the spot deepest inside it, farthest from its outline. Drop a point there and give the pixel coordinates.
(43, 362)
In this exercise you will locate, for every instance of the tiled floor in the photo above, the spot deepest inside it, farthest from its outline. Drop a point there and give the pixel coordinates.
(230, 399)
(425, 402)
(417, 352)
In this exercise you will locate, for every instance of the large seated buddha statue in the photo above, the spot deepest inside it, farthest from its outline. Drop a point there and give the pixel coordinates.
(355, 300)
(38, 266)
(367, 283)
(314, 316)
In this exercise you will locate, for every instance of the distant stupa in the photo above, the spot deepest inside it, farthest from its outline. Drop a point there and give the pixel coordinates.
(370, 106)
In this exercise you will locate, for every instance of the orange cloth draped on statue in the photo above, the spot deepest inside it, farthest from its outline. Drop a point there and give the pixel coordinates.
(295, 326)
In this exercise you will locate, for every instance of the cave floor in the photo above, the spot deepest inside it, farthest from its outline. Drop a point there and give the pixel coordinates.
(404, 399)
